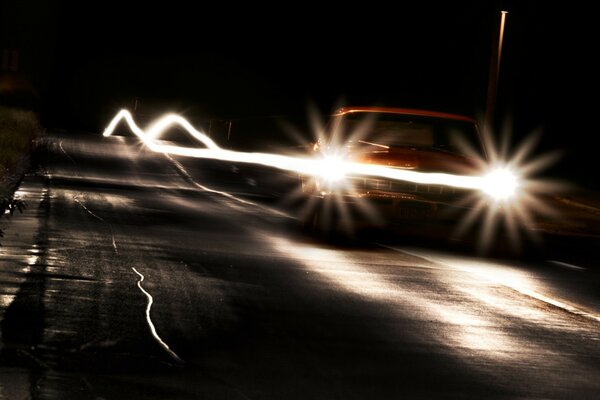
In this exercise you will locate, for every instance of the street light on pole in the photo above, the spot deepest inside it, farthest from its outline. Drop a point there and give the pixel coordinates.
(494, 74)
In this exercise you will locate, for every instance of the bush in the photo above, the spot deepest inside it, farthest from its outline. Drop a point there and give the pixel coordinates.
(17, 129)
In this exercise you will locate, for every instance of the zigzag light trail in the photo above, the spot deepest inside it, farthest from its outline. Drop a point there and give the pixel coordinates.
(302, 165)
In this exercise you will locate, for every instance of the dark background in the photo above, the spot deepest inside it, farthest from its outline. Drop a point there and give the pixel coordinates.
(252, 62)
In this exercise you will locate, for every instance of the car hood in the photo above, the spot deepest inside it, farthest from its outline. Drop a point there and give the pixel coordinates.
(429, 160)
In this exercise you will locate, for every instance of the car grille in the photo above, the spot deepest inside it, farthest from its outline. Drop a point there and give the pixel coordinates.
(390, 186)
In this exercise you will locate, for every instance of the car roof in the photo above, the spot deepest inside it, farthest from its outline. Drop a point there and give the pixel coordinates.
(405, 111)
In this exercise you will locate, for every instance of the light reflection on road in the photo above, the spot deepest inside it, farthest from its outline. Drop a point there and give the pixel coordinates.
(465, 329)
(498, 274)
(24, 229)
(479, 313)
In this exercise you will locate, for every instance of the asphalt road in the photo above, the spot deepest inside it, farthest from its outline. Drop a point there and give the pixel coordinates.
(132, 275)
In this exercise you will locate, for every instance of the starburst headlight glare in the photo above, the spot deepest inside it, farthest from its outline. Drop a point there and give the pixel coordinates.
(500, 184)
(333, 169)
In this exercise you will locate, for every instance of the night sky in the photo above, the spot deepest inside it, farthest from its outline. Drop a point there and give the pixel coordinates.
(88, 59)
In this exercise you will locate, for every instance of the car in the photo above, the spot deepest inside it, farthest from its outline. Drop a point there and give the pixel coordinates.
(400, 139)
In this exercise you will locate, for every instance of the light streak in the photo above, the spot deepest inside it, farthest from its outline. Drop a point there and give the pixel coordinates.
(158, 127)
(149, 320)
(502, 188)
(303, 165)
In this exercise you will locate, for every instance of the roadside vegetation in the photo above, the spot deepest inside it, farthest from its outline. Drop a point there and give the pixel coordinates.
(18, 128)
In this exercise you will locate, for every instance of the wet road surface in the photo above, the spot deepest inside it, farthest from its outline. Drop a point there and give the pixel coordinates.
(135, 275)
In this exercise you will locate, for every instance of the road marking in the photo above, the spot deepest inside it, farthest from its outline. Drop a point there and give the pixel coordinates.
(506, 283)
(184, 172)
(76, 198)
(114, 242)
(567, 265)
(411, 254)
(577, 204)
(67, 154)
(150, 323)
(112, 232)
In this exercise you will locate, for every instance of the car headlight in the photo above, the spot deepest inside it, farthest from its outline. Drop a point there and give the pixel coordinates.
(333, 170)
(501, 184)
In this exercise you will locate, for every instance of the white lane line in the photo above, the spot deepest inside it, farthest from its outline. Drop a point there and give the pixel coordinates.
(150, 323)
(112, 232)
(76, 198)
(436, 266)
(567, 265)
(66, 154)
(587, 207)
(114, 242)
(506, 283)
(183, 171)
(60, 145)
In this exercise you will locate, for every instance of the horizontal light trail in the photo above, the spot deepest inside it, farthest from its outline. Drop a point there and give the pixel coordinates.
(303, 165)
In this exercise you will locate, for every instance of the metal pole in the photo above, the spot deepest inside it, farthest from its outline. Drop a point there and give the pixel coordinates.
(494, 74)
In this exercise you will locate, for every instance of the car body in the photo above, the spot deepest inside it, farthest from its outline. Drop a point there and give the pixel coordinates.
(398, 138)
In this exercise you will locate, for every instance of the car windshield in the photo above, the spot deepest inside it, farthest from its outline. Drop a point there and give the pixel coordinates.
(385, 130)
